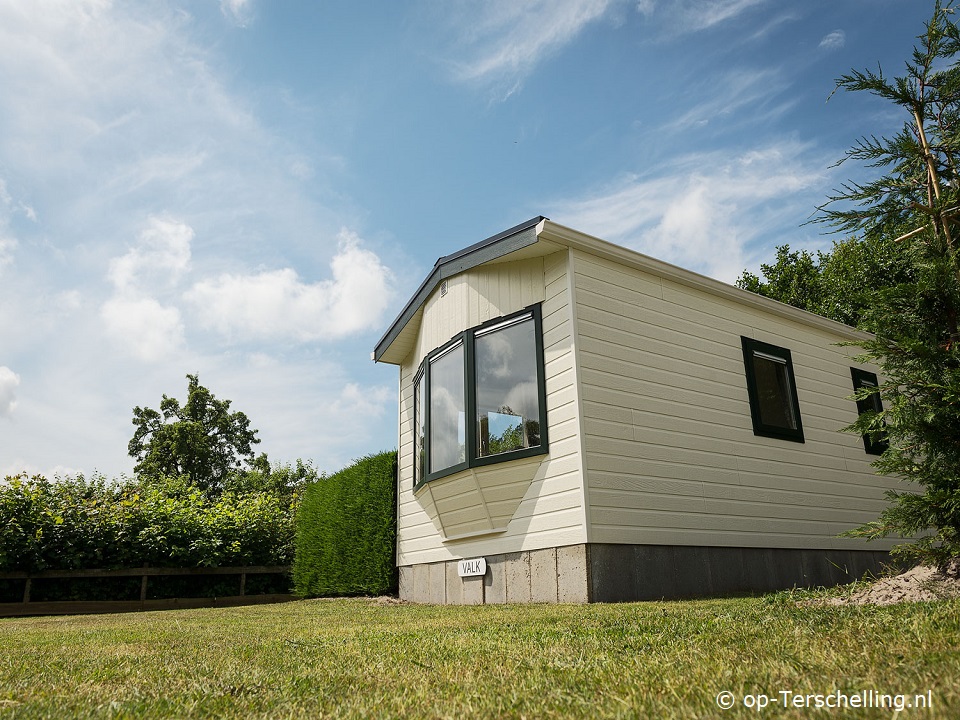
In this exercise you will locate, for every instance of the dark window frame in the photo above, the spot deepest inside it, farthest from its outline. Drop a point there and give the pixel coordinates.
(473, 458)
(750, 349)
(865, 378)
(419, 448)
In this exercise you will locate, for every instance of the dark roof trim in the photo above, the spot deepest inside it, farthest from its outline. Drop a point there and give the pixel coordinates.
(508, 241)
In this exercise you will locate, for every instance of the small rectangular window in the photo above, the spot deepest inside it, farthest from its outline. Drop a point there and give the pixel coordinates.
(872, 444)
(772, 389)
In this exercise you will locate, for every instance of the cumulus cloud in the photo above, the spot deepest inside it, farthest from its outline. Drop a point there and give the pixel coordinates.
(501, 42)
(834, 40)
(133, 318)
(9, 382)
(160, 257)
(278, 304)
(142, 327)
(692, 213)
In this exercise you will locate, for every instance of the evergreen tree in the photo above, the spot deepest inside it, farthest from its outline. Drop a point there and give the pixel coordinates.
(915, 320)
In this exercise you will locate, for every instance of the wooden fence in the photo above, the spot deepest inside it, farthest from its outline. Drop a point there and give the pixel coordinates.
(79, 607)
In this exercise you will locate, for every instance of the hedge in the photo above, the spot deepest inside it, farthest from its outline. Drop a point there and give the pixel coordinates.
(346, 532)
(75, 523)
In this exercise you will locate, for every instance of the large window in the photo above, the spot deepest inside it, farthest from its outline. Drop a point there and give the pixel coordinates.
(874, 444)
(493, 376)
(774, 407)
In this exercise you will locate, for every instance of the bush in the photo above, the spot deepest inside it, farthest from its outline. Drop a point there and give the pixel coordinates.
(346, 531)
(76, 524)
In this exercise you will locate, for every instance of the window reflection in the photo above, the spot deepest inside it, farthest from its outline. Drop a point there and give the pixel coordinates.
(508, 409)
(447, 410)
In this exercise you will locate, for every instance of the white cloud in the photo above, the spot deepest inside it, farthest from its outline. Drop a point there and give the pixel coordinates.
(143, 328)
(277, 304)
(646, 7)
(361, 404)
(504, 40)
(834, 40)
(695, 213)
(704, 15)
(160, 258)
(729, 94)
(8, 243)
(9, 382)
(687, 16)
(136, 164)
(7, 246)
(136, 322)
(239, 12)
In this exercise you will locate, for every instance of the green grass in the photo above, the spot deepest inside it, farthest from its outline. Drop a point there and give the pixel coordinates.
(361, 658)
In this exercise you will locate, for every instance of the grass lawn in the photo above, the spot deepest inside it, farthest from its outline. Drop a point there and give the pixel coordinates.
(363, 658)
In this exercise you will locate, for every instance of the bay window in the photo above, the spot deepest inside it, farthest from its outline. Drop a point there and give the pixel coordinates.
(480, 399)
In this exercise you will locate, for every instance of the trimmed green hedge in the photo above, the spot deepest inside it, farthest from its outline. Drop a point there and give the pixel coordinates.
(347, 531)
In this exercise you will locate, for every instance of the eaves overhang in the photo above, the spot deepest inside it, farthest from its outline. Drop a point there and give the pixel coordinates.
(496, 246)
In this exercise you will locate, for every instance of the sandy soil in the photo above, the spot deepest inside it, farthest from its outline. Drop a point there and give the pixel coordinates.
(916, 585)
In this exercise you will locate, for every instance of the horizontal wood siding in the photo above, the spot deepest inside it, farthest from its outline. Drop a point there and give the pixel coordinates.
(671, 457)
(544, 511)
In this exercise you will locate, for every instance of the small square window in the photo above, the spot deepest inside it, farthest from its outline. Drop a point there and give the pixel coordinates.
(772, 388)
(872, 444)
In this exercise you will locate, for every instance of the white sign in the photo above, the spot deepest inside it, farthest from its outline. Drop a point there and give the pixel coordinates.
(472, 568)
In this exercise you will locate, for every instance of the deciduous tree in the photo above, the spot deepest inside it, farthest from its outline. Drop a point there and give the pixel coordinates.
(201, 440)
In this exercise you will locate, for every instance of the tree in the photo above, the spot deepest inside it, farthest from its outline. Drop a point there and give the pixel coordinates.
(915, 321)
(794, 279)
(201, 441)
(840, 284)
(282, 480)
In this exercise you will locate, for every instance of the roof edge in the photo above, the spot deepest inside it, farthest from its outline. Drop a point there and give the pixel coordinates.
(495, 246)
(583, 241)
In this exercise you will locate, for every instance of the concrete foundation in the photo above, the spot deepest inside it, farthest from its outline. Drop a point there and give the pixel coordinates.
(619, 573)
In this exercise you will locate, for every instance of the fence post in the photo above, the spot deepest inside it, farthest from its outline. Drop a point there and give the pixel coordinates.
(243, 583)
(143, 588)
(26, 591)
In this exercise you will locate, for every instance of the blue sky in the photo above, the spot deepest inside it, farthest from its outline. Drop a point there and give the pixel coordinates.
(251, 190)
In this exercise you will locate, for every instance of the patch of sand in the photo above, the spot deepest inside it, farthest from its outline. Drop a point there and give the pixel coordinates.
(915, 585)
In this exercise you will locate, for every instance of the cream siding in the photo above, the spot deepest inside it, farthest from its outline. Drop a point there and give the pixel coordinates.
(519, 505)
(670, 453)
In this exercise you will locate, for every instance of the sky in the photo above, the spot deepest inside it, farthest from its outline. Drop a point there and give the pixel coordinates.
(251, 190)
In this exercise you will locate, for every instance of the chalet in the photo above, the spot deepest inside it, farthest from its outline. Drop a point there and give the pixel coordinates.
(580, 422)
